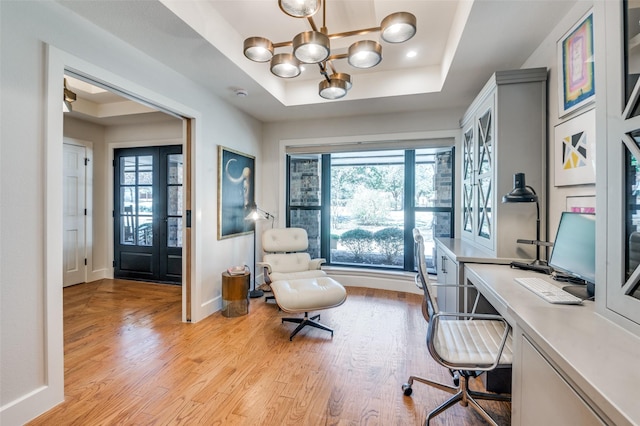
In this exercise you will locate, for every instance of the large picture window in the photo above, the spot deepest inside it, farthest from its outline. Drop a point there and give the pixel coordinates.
(359, 208)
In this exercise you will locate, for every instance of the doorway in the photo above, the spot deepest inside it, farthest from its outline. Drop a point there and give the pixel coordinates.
(148, 194)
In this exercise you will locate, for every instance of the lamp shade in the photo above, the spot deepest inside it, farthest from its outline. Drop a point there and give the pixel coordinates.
(258, 49)
(398, 27)
(311, 47)
(299, 8)
(520, 193)
(365, 54)
(342, 76)
(333, 88)
(285, 65)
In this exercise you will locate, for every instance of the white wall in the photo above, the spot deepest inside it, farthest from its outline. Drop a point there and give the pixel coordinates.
(40, 39)
(546, 56)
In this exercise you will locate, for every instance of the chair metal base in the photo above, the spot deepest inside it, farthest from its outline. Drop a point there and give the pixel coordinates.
(461, 394)
(306, 321)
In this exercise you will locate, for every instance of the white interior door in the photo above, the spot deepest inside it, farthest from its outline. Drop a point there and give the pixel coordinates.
(74, 214)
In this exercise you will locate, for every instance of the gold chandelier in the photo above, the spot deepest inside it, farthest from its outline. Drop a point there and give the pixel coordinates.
(313, 47)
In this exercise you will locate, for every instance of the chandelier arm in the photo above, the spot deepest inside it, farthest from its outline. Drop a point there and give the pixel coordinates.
(333, 69)
(338, 56)
(312, 23)
(324, 13)
(354, 32)
(283, 44)
(323, 70)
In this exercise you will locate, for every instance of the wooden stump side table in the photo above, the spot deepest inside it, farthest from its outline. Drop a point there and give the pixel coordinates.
(235, 294)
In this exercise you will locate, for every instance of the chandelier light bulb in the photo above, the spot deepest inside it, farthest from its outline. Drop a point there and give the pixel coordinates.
(332, 89)
(258, 49)
(299, 8)
(311, 47)
(285, 65)
(398, 27)
(365, 54)
(344, 77)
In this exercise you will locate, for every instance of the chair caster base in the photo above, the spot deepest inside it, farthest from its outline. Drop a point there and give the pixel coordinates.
(406, 389)
(306, 321)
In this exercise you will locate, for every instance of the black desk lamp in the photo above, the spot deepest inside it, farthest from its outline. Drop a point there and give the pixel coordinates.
(255, 215)
(523, 193)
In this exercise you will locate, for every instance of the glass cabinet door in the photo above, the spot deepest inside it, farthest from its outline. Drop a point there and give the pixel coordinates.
(484, 126)
(468, 180)
(620, 157)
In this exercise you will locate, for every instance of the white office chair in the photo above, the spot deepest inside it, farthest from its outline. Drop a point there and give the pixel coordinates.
(465, 343)
(297, 282)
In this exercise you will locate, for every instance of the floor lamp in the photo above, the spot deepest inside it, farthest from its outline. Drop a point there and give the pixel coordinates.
(255, 215)
(523, 193)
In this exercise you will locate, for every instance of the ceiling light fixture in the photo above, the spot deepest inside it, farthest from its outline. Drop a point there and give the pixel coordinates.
(67, 98)
(313, 47)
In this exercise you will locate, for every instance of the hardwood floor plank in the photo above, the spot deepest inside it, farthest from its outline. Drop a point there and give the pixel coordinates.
(130, 361)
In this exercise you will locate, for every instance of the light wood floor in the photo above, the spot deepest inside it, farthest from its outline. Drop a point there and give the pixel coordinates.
(130, 361)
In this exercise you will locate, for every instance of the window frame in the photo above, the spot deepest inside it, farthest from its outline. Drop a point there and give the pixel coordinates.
(410, 209)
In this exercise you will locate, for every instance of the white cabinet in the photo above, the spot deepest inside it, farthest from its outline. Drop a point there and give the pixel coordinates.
(451, 256)
(503, 133)
(448, 277)
(541, 386)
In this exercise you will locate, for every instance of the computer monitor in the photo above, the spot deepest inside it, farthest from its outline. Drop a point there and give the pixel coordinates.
(574, 249)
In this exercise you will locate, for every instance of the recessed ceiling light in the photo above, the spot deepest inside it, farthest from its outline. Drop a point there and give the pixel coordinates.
(412, 54)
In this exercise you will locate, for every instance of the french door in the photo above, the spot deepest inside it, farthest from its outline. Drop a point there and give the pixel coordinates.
(148, 213)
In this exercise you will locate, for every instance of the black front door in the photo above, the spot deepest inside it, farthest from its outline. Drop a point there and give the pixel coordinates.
(148, 213)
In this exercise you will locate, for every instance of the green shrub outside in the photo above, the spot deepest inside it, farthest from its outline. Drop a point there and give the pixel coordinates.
(358, 241)
(390, 241)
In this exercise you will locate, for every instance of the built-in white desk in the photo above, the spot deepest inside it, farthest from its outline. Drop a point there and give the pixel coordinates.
(571, 365)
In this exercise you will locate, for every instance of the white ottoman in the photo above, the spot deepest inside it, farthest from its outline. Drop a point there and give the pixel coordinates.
(308, 294)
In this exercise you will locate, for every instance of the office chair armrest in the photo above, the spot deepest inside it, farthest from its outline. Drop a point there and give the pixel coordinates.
(433, 330)
(316, 263)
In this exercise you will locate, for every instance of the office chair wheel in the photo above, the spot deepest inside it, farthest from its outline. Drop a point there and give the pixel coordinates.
(406, 388)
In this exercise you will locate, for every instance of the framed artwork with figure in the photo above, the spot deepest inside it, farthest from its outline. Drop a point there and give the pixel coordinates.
(236, 182)
(576, 70)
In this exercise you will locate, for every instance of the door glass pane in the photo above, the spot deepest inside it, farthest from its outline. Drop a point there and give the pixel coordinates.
(467, 207)
(145, 200)
(145, 170)
(485, 138)
(174, 168)
(484, 212)
(174, 201)
(145, 231)
(467, 155)
(127, 225)
(127, 199)
(174, 232)
(128, 170)
(632, 54)
(632, 213)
